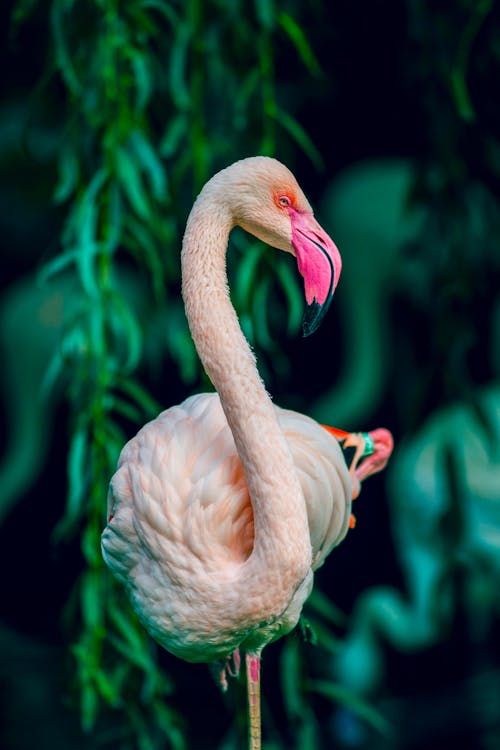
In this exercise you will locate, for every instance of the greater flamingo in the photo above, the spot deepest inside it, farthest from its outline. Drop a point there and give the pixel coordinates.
(223, 506)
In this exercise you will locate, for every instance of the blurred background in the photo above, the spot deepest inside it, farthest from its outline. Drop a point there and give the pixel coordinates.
(113, 115)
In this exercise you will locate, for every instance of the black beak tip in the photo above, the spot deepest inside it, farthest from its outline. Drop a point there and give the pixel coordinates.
(313, 316)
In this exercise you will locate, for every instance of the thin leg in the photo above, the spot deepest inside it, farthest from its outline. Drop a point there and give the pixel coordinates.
(222, 669)
(252, 661)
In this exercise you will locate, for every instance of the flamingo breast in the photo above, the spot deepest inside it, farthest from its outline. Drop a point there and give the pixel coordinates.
(181, 522)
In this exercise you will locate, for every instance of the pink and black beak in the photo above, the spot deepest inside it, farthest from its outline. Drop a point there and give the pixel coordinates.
(319, 263)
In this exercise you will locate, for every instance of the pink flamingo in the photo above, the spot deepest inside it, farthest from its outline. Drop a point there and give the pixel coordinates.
(223, 506)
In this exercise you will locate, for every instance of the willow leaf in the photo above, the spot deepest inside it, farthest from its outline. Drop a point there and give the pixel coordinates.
(245, 91)
(142, 729)
(265, 12)
(177, 128)
(146, 402)
(89, 706)
(139, 237)
(56, 265)
(77, 472)
(293, 296)
(97, 337)
(247, 273)
(69, 172)
(347, 698)
(300, 42)
(179, 88)
(64, 62)
(85, 228)
(299, 135)
(150, 164)
(143, 78)
(91, 599)
(21, 11)
(291, 678)
(126, 409)
(169, 722)
(115, 217)
(131, 183)
(128, 331)
(90, 549)
(260, 313)
(323, 606)
(108, 689)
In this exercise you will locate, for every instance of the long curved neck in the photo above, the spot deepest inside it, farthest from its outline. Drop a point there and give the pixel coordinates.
(282, 539)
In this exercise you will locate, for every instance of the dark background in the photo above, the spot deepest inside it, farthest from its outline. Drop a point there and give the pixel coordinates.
(385, 95)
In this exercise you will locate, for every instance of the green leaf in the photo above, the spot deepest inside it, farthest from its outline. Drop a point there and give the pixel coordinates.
(92, 599)
(176, 129)
(150, 407)
(265, 12)
(63, 59)
(69, 173)
(89, 706)
(56, 265)
(150, 163)
(77, 473)
(323, 606)
(108, 689)
(179, 88)
(243, 95)
(126, 409)
(297, 132)
(461, 95)
(21, 11)
(339, 694)
(247, 271)
(168, 721)
(130, 629)
(116, 214)
(293, 295)
(90, 539)
(97, 338)
(139, 658)
(131, 183)
(300, 42)
(246, 324)
(128, 333)
(291, 678)
(142, 729)
(139, 238)
(85, 229)
(143, 78)
(180, 345)
(260, 313)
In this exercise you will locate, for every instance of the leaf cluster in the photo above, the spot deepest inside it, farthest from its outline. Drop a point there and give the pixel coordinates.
(156, 95)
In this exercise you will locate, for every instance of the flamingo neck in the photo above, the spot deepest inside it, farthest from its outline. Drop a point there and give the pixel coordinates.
(282, 538)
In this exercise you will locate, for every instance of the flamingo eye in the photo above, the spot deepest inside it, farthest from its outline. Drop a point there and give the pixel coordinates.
(284, 201)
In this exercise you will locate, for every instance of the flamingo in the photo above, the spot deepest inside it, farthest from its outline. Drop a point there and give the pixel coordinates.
(223, 506)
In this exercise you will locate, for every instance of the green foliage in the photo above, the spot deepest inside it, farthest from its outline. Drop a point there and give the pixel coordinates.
(158, 95)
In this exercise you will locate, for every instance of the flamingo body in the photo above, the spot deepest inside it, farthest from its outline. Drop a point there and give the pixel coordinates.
(223, 506)
(183, 525)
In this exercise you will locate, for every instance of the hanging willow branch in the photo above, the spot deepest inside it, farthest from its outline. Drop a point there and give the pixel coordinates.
(157, 96)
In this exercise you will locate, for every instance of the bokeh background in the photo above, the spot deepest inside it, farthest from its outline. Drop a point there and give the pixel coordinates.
(113, 114)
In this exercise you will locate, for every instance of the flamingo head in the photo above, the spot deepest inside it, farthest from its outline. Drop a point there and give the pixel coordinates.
(266, 200)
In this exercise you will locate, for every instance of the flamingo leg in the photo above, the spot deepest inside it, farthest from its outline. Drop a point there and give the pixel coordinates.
(252, 661)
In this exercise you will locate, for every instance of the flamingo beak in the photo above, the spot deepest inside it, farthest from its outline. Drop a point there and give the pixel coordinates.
(319, 263)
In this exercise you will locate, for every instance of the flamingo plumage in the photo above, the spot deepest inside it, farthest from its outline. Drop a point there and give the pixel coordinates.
(223, 506)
